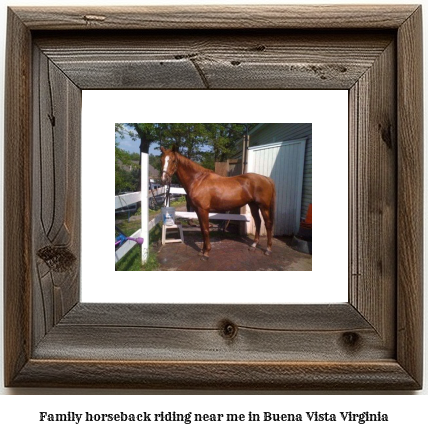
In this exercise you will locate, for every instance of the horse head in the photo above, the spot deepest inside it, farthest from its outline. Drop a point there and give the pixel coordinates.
(169, 164)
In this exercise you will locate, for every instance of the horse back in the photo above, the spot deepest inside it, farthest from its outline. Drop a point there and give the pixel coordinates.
(217, 192)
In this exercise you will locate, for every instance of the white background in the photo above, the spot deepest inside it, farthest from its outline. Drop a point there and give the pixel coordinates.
(21, 412)
(326, 110)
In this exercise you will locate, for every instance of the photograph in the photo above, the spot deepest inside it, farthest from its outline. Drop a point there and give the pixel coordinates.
(220, 196)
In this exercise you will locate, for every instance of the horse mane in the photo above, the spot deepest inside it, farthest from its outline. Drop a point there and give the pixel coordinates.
(191, 165)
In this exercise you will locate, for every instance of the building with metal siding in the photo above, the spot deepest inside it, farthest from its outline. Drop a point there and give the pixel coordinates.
(264, 134)
(283, 162)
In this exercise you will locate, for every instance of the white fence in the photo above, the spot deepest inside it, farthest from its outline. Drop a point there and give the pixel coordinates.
(125, 200)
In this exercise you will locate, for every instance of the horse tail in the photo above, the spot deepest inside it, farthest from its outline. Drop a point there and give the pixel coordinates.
(272, 202)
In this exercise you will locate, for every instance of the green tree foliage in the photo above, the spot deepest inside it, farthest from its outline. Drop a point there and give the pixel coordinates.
(188, 138)
(223, 138)
(126, 157)
(154, 161)
(145, 133)
(120, 129)
(207, 160)
(126, 181)
(127, 171)
(204, 143)
(192, 140)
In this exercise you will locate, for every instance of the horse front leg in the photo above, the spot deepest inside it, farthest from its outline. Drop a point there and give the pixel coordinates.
(205, 230)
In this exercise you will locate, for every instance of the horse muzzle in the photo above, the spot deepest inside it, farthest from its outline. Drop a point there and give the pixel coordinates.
(166, 178)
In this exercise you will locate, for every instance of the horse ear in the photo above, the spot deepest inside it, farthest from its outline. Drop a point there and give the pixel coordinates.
(162, 149)
(174, 148)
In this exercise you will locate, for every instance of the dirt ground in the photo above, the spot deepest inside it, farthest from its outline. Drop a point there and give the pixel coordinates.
(230, 252)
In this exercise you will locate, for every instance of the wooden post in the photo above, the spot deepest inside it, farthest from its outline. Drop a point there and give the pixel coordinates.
(144, 206)
(222, 168)
(245, 146)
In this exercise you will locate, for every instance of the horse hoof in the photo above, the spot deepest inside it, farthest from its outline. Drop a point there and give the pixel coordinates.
(204, 258)
(252, 249)
(268, 252)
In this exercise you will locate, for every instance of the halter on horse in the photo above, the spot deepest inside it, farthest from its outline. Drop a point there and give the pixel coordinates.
(209, 192)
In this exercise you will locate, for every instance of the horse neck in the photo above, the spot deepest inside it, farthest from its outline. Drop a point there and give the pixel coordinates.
(187, 170)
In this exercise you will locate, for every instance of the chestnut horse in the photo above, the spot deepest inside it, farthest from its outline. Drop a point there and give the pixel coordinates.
(209, 192)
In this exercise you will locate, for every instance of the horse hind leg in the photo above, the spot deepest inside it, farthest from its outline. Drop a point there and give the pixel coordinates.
(257, 221)
(268, 219)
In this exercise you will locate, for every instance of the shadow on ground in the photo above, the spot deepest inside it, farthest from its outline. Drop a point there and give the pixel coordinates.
(230, 252)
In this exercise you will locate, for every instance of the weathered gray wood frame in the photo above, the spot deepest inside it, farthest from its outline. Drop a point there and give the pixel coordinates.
(372, 342)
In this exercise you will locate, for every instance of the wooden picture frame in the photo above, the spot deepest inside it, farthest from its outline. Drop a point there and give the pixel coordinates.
(372, 342)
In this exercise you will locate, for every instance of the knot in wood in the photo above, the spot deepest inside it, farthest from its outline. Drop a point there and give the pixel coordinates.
(386, 134)
(228, 330)
(58, 259)
(94, 18)
(351, 340)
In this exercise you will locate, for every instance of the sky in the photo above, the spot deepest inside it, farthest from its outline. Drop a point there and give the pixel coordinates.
(129, 145)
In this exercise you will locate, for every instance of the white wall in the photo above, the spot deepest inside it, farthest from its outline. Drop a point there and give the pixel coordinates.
(283, 132)
(284, 164)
